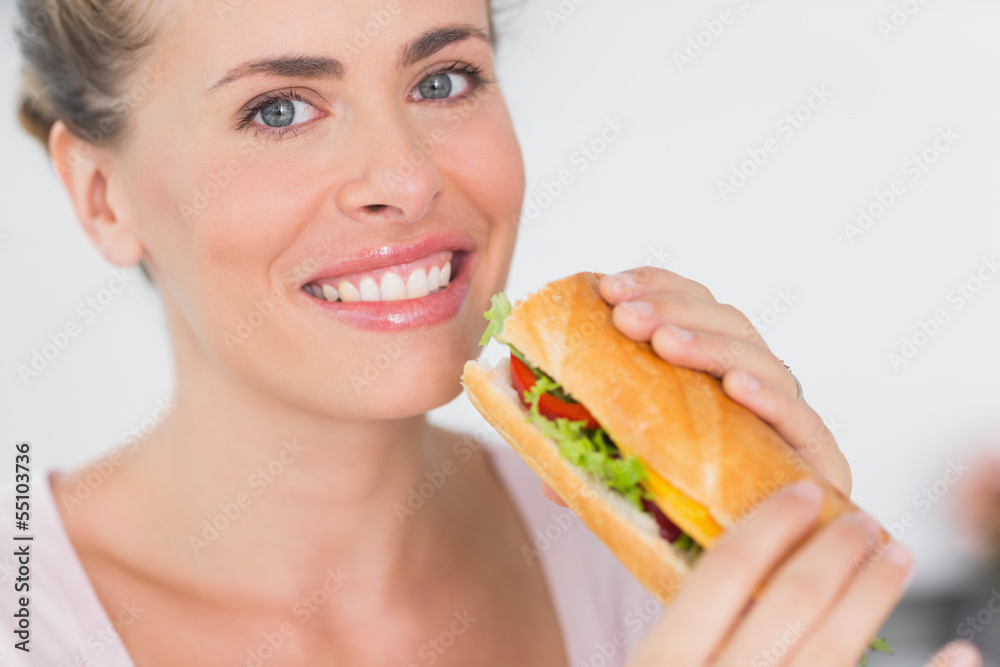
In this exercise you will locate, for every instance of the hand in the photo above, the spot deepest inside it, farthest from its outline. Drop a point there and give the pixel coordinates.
(826, 597)
(979, 505)
(686, 326)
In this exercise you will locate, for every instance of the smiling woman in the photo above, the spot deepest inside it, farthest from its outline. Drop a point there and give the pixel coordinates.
(326, 194)
(309, 205)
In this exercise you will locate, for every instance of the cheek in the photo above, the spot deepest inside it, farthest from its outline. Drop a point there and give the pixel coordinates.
(481, 155)
(485, 158)
(213, 219)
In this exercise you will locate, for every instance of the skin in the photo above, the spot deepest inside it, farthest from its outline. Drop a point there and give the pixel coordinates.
(979, 505)
(336, 187)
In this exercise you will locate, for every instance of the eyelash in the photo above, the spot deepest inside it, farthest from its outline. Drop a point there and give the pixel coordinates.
(474, 73)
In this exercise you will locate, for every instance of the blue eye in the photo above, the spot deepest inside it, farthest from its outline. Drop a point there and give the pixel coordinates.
(453, 81)
(443, 85)
(284, 112)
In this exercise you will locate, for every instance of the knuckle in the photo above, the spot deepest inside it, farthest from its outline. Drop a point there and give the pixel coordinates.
(848, 534)
(742, 322)
(728, 559)
(645, 274)
(675, 307)
(784, 511)
(749, 332)
(779, 408)
(734, 312)
(803, 590)
(704, 291)
(823, 650)
(820, 437)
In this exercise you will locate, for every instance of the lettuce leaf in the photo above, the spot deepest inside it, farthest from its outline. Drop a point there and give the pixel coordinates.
(686, 543)
(553, 387)
(498, 312)
(880, 645)
(590, 449)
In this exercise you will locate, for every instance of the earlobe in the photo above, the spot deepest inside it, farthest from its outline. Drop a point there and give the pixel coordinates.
(84, 171)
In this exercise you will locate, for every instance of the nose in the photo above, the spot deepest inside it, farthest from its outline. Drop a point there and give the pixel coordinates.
(397, 180)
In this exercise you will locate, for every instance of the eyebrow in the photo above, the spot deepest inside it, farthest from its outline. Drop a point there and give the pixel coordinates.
(305, 67)
(436, 39)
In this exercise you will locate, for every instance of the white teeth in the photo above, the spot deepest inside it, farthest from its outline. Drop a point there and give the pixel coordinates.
(420, 284)
(393, 288)
(416, 286)
(348, 292)
(369, 290)
(330, 293)
(433, 279)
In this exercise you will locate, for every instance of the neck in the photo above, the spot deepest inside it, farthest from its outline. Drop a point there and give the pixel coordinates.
(234, 471)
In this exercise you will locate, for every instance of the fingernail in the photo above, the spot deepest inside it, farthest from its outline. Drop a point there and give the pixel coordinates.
(749, 381)
(682, 335)
(640, 309)
(806, 491)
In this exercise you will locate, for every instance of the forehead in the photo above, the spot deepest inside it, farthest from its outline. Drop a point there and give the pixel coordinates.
(204, 39)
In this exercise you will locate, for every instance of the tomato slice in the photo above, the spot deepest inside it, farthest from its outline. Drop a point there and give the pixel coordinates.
(550, 406)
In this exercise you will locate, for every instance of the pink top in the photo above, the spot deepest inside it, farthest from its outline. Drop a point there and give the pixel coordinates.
(602, 609)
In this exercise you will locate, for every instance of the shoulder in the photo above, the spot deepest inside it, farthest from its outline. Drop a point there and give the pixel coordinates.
(52, 604)
(603, 608)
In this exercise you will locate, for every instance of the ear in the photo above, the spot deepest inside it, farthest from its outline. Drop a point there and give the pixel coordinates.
(85, 170)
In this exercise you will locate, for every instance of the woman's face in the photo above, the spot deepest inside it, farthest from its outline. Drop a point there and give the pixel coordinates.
(294, 149)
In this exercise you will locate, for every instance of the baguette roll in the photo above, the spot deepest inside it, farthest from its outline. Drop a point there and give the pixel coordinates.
(679, 423)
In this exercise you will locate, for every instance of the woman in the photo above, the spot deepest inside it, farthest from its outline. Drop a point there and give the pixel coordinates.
(326, 194)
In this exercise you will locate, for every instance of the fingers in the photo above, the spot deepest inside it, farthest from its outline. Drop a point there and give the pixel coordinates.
(688, 327)
(638, 318)
(647, 280)
(800, 594)
(727, 576)
(864, 607)
(794, 421)
(957, 654)
(717, 354)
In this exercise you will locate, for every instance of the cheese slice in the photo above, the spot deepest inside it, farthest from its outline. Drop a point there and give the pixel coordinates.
(686, 514)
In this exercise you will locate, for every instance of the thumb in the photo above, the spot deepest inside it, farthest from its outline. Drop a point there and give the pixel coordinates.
(957, 654)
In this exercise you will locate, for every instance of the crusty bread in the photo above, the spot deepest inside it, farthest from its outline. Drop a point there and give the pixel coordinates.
(677, 420)
(632, 535)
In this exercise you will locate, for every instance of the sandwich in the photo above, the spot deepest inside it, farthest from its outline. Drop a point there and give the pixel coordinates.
(654, 458)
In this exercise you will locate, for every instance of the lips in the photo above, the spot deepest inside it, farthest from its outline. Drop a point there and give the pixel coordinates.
(397, 287)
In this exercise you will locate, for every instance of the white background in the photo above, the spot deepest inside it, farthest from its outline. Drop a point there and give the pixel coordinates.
(651, 197)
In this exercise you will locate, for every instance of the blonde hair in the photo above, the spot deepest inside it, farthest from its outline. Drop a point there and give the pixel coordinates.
(79, 57)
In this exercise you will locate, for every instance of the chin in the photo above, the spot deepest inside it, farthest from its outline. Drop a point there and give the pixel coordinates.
(422, 378)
